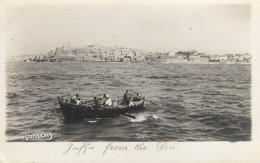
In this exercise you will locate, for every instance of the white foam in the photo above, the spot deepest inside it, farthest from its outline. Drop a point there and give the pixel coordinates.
(90, 121)
(140, 118)
(94, 121)
(155, 117)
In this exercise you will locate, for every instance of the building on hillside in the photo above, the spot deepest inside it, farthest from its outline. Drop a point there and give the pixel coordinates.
(58, 51)
(171, 54)
(194, 58)
(125, 59)
(214, 60)
(69, 59)
(111, 58)
(183, 55)
(204, 58)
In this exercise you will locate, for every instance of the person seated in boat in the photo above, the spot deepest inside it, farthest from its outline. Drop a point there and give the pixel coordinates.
(137, 97)
(78, 102)
(96, 102)
(108, 101)
(131, 103)
(74, 99)
(126, 98)
(104, 98)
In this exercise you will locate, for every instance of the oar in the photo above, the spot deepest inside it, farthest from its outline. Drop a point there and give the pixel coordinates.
(128, 115)
(151, 102)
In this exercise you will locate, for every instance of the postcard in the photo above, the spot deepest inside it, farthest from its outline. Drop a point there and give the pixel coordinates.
(146, 81)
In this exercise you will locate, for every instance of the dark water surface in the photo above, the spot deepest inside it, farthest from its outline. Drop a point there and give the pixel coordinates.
(196, 102)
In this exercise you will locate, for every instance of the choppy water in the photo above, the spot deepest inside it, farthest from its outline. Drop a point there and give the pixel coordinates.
(196, 102)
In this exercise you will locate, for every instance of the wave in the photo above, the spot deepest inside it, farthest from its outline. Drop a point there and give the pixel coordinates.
(201, 130)
(118, 83)
(86, 84)
(167, 77)
(158, 77)
(214, 94)
(42, 77)
(15, 103)
(12, 95)
(91, 121)
(32, 77)
(168, 89)
(45, 99)
(26, 91)
(47, 77)
(155, 117)
(140, 118)
(227, 131)
(44, 125)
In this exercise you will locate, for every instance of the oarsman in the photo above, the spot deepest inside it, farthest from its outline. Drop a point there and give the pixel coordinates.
(74, 99)
(96, 102)
(102, 99)
(127, 98)
(131, 103)
(137, 97)
(78, 102)
(108, 101)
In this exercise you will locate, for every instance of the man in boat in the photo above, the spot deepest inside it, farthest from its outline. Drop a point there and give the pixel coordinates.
(131, 103)
(78, 102)
(127, 98)
(103, 99)
(106, 100)
(137, 97)
(96, 102)
(74, 99)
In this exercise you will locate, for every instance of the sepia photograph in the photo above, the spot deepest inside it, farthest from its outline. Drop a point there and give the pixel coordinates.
(129, 73)
(98, 74)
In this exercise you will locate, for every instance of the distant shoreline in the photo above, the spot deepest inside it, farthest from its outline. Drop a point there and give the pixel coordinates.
(116, 54)
(154, 63)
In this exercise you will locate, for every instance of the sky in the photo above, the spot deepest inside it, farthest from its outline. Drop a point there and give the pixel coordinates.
(214, 28)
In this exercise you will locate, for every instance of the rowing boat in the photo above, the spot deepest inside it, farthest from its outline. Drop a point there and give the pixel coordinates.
(75, 112)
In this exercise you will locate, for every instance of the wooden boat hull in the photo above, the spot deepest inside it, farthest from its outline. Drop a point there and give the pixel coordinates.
(80, 112)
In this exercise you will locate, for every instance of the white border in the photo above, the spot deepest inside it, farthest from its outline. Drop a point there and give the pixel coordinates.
(183, 151)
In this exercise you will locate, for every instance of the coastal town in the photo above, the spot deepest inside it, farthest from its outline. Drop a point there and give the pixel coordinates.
(98, 53)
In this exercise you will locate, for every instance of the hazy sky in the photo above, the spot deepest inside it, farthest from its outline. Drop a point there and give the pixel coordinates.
(207, 28)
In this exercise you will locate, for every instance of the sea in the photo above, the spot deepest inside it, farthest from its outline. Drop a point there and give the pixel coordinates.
(184, 102)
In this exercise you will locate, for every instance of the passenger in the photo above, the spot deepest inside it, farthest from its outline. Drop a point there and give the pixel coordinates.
(96, 102)
(103, 98)
(137, 97)
(131, 103)
(78, 102)
(108, 101)
(74, 99)
(127, 97)
(107, 95)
